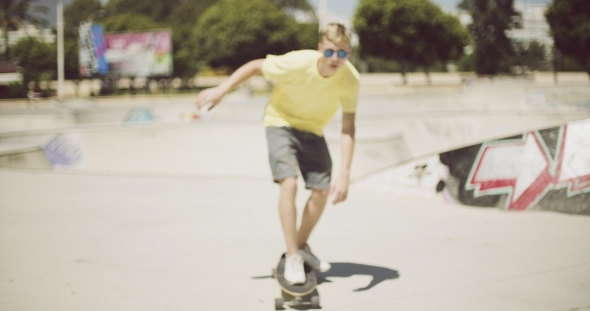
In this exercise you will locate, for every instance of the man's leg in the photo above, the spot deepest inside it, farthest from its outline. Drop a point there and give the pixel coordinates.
(311, 215)
(282, 147)
(288, 213)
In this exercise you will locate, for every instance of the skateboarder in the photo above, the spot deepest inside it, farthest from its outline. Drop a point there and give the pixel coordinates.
(311, 87)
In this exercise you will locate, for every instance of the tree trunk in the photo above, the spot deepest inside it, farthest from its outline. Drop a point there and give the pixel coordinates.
(555, 61)
(77, 89)
(403, 70)
(6, 45)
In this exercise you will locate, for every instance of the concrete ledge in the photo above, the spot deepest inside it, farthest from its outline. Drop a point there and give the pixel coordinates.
(23, 156)
(12, 148)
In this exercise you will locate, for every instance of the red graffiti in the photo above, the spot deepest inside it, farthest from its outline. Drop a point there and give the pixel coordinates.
(525, 171)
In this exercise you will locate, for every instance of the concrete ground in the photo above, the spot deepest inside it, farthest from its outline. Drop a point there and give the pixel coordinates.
(79, 240)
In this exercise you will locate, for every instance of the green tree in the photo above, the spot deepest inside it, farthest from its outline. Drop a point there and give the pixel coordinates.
(535, 57)
(71, 61)
(466, 63)
(307, 32)
(491, 18)
(129, 22)
(307, 36)
(443, 39)
(529, 56)
(182, 20)
(37, 59)
(570, 27)
(79, 11)
(409, 32)
(295, 4)
(13, 13)
(234, 32)
(155, 9)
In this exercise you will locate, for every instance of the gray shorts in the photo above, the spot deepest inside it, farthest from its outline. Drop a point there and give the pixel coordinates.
(289, 149)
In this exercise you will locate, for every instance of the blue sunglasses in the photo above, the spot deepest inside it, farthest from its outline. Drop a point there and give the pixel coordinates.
(341, 53)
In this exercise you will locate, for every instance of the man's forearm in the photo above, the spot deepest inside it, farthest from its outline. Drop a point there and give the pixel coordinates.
(347, 145)
(243, 73)
(347, 142)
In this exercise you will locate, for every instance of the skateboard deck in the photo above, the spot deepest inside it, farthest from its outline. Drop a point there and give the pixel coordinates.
(296, 295)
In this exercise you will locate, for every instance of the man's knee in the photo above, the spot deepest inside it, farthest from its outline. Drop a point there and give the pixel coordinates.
(320, 194)
(289, 185)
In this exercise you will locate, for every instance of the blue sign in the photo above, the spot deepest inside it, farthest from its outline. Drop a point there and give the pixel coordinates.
(100, 48)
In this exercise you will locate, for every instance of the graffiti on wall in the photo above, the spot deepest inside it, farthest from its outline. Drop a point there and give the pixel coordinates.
(65, 150)
(525, 169)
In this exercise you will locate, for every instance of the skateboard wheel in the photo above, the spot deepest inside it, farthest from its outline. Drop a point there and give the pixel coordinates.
(279, 304)
(315, 302)
(274, 273)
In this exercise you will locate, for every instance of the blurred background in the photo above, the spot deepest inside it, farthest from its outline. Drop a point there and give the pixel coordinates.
(117, 194)
(143, 46)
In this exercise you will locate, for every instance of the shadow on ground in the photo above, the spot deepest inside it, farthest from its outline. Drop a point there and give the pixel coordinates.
(344, 270)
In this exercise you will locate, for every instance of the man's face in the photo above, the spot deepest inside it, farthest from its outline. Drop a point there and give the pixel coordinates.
(335, 55)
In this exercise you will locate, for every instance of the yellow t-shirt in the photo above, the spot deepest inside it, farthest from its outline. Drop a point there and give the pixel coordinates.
(303, 98)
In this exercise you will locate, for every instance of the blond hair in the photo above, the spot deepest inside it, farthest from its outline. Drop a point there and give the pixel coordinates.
(335, 33)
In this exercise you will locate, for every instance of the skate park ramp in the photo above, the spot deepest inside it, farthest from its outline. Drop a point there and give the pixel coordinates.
(160, 210)
(167, 136)
(546, 169)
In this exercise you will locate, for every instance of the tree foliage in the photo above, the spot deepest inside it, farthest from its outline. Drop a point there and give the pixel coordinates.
(182, 20)
(493, 49)
(129, 22)
(79, 11)
(295, 4)
(410, 32)
(307, 36)
(71, 61)
(570, 27)
(37, 59)
(155, 9)
(13, 13)
(234, 32)
(535, 56)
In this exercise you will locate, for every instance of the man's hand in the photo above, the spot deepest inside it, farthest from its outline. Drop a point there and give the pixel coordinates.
(215, 94)
(212, 95)
(339, 190)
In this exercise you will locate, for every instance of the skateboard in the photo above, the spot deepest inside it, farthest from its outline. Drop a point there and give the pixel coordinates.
(296, 295)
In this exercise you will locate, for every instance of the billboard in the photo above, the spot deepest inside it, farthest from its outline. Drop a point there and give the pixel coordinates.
(139, 54)
(92, 50)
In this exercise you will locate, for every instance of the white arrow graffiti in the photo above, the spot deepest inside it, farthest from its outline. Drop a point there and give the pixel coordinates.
(574, 160)
(523, 168)
(520, 168)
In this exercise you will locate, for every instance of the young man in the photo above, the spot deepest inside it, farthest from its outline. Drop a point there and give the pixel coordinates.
(311, 86)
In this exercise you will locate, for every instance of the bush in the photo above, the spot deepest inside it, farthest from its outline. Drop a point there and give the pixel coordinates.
(13, 90)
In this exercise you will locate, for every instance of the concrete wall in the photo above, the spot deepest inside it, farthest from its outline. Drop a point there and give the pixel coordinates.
(546, 169)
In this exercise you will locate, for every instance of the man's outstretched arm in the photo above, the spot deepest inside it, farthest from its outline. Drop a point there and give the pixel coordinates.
(215, 94)
(339, 190)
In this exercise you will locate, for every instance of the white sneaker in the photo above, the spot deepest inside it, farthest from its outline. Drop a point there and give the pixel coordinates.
(313, 260)
(294, 272)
